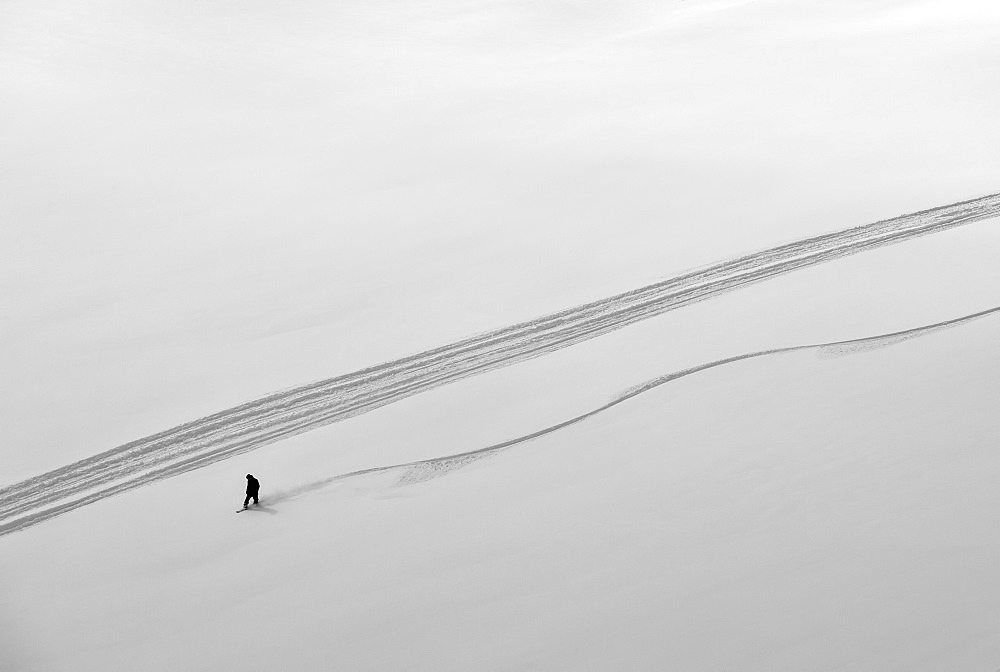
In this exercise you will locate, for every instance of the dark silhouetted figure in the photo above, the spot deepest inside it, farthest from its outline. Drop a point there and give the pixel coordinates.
(253, 487)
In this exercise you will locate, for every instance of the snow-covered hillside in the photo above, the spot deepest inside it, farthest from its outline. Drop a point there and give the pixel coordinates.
(516, 224)
(818, 509)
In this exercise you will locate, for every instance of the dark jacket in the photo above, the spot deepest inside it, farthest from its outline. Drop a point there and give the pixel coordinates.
(253, 486)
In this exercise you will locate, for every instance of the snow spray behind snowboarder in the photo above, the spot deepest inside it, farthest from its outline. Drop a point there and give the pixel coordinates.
(253, 487)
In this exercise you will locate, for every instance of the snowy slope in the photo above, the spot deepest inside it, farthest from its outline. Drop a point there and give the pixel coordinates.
(787, 512)
(207, 205)
(290, 412)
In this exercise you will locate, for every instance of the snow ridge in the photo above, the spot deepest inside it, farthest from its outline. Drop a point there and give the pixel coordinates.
(289, 412)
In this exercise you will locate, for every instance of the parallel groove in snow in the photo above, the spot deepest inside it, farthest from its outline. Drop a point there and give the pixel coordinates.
(290, 412)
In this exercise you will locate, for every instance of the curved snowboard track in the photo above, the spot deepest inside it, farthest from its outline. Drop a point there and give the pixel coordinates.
(283, 414)
(425, 470)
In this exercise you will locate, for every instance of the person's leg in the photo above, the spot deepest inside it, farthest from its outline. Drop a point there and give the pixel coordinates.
(247, 501)
(255, 500)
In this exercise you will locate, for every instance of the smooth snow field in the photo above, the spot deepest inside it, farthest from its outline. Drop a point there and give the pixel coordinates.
(561, 336)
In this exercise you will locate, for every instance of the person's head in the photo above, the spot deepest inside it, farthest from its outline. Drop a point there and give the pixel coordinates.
(249, 476)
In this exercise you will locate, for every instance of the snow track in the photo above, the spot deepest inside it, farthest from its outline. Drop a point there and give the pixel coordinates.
(287, 413)
(425, 470)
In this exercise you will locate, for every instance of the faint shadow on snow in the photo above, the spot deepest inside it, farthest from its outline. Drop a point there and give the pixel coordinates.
(261, 508)
(870, 344)
(421, 471)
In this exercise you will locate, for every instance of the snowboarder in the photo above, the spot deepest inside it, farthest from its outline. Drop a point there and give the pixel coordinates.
(253, 487)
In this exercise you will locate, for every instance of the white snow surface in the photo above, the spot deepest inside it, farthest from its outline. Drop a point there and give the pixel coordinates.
(208, 202)
(788, 512)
